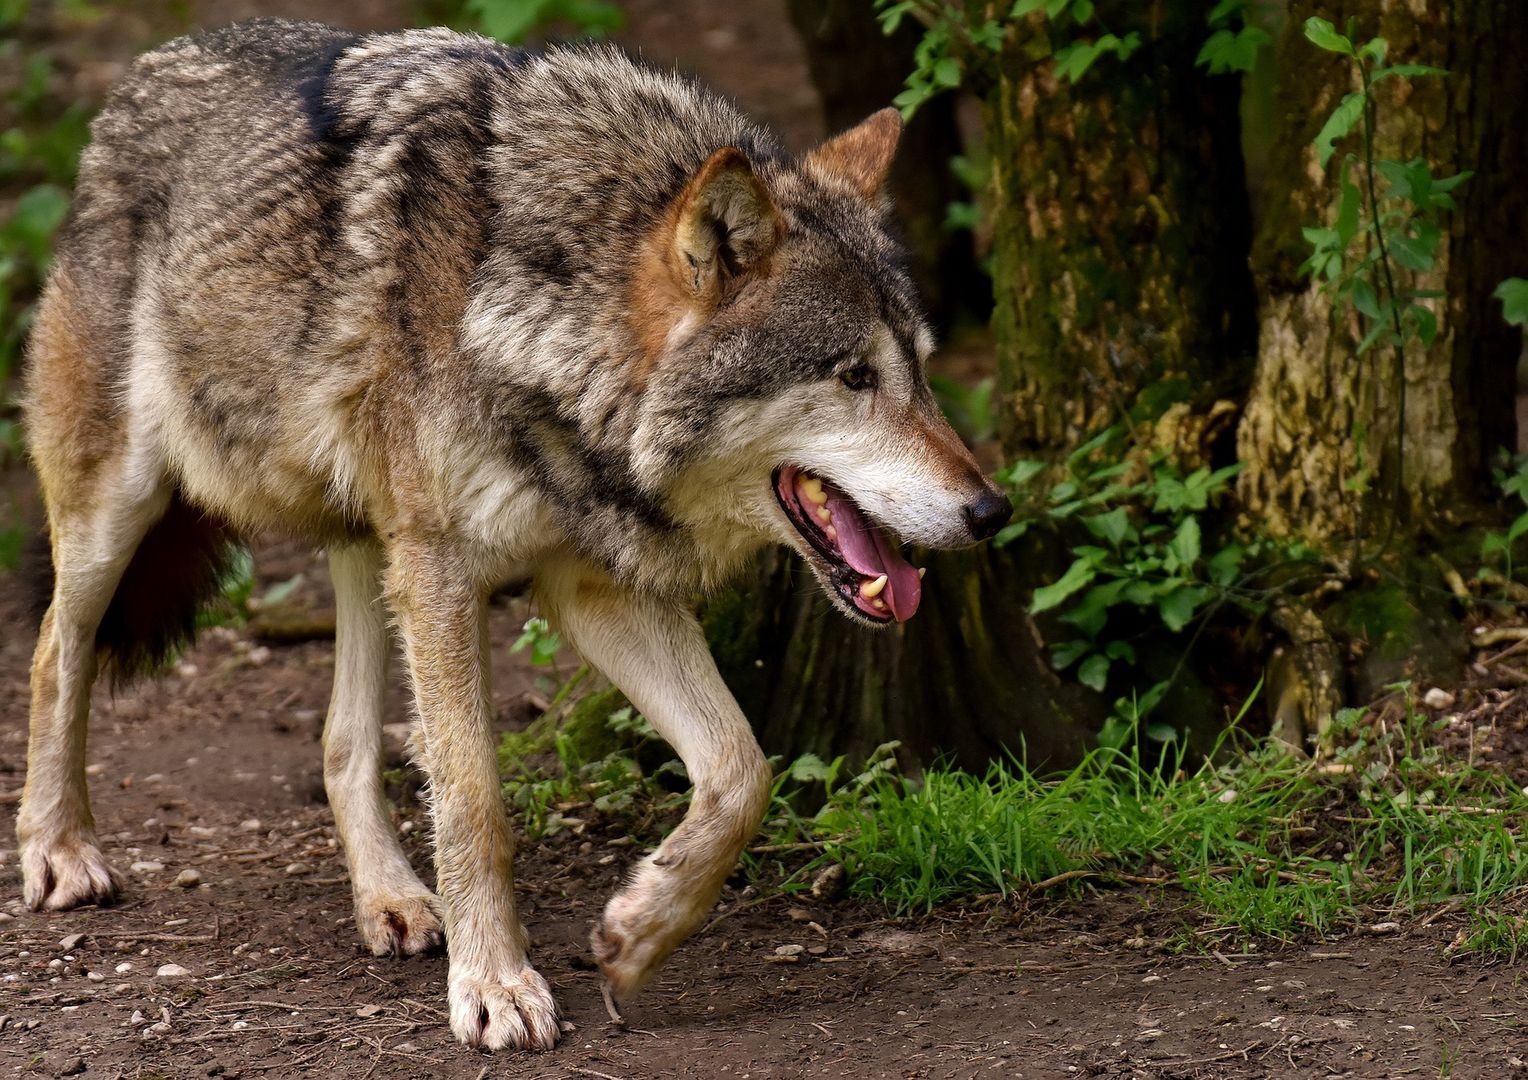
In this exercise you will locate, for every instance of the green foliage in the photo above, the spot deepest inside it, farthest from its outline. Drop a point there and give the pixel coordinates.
(968, 408)
(1142, 549)
(1511, 475)
(1513, 294)
(1380, 230)
(1262, 844)
(1234, 42)
(515, 20)
(541, 639)
(956, 41)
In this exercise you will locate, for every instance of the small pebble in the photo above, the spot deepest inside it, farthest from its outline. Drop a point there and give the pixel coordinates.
(790, 950)
(147, 866)
(70, 943)
(1152, 979)
(297, 869)
(366, 1012)
(171, 971)
(188, 879)
(138, 1017)
(250, 825)
(1438, 698)
(123, 967)
(95, 976)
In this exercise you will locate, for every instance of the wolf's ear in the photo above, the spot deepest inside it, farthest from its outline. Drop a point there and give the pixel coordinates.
(860, 157)
(727, 224)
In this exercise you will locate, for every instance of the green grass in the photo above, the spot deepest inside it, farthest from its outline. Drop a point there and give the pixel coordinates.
(1257, 844)
(1262, 844)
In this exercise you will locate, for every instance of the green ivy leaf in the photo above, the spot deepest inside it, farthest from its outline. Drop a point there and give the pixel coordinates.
(1185, 545)
(1337, 126)
(1177, 607)
(1067, 653)
(1078, 575)
(1324, 35)
(1364, 298)
(1111, 527)
(1513, 294)
(1347, 210)
(1094, 672)
(1406, 71)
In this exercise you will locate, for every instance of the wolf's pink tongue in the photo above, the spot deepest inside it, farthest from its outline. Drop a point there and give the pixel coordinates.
(869, 552)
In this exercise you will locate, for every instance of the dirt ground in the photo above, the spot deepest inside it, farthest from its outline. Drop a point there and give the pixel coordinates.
(215, 769)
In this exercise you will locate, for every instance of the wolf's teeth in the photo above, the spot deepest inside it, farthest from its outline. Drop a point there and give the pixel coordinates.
(921, 571)
(871, 589)
(824, 515)
(831, 533)
(811, 487)
(879, 605)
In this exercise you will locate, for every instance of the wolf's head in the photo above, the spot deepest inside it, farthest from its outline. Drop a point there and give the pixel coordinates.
(783, 339)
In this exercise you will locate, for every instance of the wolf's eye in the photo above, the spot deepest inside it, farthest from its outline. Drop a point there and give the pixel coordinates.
(859, 377)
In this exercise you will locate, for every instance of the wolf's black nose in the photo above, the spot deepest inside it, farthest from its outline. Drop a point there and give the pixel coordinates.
(987, 514)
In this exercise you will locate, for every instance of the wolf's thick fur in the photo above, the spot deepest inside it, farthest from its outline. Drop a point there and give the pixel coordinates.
(463, 314)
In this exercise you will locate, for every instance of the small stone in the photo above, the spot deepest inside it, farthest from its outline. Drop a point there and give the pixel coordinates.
(829, 882)
(54, 965)
(121, 988)
(138, 1018)
(297, 869)
(73, 1068)
(1227, 796)
(790, 950)
(124, 966)
(147, 866)
(1152, 979)
(818, 950)
(250, 825)
(366, 1012)
(95, 976)
(71, 942)
(188, 879)
(1438, 698)
(171, 971)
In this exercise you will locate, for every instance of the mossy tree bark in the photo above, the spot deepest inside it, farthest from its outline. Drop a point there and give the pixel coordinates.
(1121, 239)
(1121, 231)
(1319, 434)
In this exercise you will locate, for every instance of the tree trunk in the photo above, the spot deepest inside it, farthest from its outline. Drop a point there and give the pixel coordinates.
(1130, 272)
(1120, 234)
(857, 69)
(1320, 430)
(966, 679)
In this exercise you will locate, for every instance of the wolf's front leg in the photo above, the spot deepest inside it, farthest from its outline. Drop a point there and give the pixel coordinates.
(654, 650)
(496, 998)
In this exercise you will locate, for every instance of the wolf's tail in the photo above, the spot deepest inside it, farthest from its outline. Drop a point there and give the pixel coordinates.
(178, 568)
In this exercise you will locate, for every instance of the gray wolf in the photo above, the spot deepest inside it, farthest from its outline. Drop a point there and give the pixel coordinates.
(462, 314)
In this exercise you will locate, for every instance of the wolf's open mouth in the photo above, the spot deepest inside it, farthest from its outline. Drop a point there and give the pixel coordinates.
(864, 564)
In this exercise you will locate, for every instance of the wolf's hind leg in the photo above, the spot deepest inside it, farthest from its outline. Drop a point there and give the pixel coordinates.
(61, 864)
(655, 651)
(394, 911)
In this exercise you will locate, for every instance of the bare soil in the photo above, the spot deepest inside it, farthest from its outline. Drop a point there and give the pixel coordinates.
(216, 769)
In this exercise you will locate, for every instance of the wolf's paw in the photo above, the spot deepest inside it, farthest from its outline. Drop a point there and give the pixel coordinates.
(633, 938)
(400, 925)
(515, 1010)
(64, 872)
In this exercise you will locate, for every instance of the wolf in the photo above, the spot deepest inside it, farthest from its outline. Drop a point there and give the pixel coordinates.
(463, 315)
